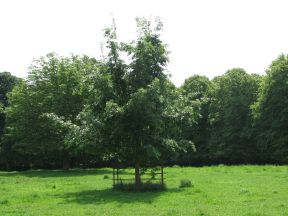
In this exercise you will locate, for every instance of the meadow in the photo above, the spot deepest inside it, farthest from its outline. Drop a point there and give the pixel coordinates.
(216, 190)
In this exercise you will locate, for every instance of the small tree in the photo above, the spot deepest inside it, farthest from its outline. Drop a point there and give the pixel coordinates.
(132, 109)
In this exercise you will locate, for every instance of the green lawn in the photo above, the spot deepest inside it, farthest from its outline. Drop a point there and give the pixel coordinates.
(218, 190)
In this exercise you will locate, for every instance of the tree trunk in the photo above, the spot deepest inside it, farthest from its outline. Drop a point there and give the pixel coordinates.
(66, 163)
(137, 176)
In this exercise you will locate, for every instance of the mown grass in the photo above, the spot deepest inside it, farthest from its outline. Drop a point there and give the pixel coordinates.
(217, 190)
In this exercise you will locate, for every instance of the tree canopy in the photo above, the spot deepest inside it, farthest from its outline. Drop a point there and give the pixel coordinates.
(123, 109)
(271, 113)
(7, 82)
(43, 106)
(230, 117)
(130, 106)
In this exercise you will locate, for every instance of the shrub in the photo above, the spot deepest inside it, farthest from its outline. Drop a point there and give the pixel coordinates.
(244, 191)
(185, 183)
(105, 177)
(4, 202)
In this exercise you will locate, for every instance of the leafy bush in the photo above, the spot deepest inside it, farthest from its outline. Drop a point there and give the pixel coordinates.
(244, 191)
(105, 177)
(4, 202)
(185, 183)
(148, 186)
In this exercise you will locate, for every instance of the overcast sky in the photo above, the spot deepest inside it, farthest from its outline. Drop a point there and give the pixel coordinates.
(205, 37)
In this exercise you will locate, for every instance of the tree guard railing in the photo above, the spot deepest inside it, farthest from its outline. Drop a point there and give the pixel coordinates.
(120, 176)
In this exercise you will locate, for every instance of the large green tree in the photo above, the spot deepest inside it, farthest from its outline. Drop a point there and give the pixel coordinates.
(271, 113)
(131, 112)
(45, 105)
(230, 118)
(196, 92)
(7, 82)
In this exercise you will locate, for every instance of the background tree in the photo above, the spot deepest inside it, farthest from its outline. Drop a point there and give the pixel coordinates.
(271, 113)
(230, 118)
(124, 109)
(195, 89)
(52, 92)
(7, 82)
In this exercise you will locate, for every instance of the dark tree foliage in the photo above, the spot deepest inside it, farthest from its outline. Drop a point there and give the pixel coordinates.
(271, 114)
(195, 89)
(123, 109)
(7, 82)
(44, 107)
(130, 113)
(230, 117)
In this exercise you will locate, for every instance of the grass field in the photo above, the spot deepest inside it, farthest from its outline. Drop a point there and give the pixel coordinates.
(218, 190)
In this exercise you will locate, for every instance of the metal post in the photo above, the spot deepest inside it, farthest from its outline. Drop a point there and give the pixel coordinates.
(162, 176)
(117, 173)
(113, 177)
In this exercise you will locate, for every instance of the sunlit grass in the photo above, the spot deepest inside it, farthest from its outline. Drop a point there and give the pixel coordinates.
(219, 190)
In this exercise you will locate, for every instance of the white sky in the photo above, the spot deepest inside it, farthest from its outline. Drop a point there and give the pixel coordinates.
(205, 37)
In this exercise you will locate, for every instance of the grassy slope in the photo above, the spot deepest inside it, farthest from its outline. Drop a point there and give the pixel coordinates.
(220, 190)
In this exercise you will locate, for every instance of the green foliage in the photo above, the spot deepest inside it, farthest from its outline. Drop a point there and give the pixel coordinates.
(196, 87)
(153, 172)
(106, 177)
(271, 113)
(132, 120)
(7, 82)
(196, 90)
(230, 117)
(149, 56)
(185, 183)
(4, 202)
(44, 107)
(124, 109)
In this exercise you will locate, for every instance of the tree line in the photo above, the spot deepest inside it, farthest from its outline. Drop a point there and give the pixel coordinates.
(79, 111)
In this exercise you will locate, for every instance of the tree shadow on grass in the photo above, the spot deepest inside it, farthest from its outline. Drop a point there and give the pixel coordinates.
(58, 173)
(111, 195)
